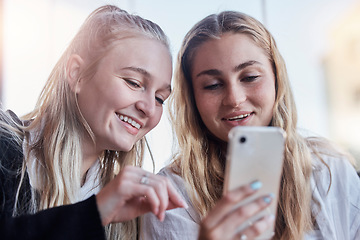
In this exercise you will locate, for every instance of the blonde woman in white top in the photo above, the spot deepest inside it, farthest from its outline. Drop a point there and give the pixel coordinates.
(229, 73)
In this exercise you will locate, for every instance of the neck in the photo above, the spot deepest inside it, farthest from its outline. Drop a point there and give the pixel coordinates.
(86, 165)
(90, 155)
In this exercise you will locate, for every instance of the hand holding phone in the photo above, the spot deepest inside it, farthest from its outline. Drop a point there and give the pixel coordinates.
(255, 154)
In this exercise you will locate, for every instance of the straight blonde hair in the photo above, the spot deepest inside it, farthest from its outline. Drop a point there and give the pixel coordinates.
(57, 126)
(201, 157)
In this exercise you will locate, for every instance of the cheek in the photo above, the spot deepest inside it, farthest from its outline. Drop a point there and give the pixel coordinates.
(205, 111)
(204, 103)
(270, 97)
(265, 93)
(266, 99)
(154, 121)
(202, 107)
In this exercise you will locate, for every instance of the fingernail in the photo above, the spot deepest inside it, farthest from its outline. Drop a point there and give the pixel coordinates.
(162, 216)
(268, 199)
(185, 205)
(256, 185)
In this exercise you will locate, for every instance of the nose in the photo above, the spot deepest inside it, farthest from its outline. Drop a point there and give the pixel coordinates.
(234, 95)
(146, 105)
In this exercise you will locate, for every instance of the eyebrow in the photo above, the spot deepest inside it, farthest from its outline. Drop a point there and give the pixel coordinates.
(244, 65)
(138, 70)
(215, 72)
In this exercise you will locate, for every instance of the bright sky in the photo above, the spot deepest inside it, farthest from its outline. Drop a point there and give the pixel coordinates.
(37, 32)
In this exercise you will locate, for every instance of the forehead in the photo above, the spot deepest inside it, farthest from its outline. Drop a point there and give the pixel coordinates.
(137, 44)
(228, 47)
(138, 57)
(138, 51)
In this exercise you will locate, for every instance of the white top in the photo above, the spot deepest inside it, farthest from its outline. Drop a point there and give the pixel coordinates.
(91, 184)
(90, 187)
(337, 219)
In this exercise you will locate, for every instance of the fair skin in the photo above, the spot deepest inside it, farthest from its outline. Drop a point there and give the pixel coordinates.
(121, 103)
(223, 220)
(132, 87)
(236, 79)
(234, 85)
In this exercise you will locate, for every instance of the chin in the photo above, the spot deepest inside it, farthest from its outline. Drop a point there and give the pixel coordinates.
(127, 148)
(122, 147)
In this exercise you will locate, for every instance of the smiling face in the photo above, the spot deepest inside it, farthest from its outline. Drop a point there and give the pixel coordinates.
(123, 101)
(233, 84)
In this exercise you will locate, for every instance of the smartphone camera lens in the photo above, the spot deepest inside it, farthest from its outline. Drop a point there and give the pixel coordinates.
(242, 139)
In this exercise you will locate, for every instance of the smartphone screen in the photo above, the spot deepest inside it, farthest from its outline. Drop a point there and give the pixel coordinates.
(255, 153)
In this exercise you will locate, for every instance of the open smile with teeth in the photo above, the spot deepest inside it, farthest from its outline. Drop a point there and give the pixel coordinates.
(238, 118)
(129, 120)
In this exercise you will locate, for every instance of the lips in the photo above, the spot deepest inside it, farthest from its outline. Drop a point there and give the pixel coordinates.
(237, 117)
(129, 120)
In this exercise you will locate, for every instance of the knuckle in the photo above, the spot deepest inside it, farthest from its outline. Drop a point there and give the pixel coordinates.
(162, 183)
(257, 229)
(124, 173)
(149, 191)
(120, 186)
(241, 211)
(163, 180)
(229, 198)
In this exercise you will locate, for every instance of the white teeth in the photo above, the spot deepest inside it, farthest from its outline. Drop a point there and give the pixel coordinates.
(132, 122)
(239, 117)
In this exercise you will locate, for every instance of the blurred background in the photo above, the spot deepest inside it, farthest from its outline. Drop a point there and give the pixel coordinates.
(319, 40)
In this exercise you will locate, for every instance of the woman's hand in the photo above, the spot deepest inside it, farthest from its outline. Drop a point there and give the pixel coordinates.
(224, 220)
(135, 192)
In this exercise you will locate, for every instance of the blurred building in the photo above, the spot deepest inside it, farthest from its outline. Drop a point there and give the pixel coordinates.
(342, 70)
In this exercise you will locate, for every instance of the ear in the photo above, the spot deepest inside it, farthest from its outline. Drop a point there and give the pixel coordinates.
(73, 69)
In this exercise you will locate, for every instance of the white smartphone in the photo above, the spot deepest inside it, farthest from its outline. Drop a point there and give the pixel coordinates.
(255, 153)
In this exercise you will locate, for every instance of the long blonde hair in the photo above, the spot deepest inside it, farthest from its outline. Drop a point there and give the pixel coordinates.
(201, 159)
(57, 126)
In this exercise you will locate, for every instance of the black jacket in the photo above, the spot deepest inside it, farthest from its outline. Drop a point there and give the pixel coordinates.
(76, 221)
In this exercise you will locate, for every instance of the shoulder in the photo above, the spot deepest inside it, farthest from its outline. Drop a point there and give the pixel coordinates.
(331, 165)
(10, 145)
(336, 195)
(11, 160)
(335, 184)
(336, 171)
(170, 174)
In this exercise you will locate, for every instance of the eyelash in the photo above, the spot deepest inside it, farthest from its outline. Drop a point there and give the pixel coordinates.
(132, 83)
(159, 100)
(251, 78)
(212, 86)
(136, 85)
(245, 79)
